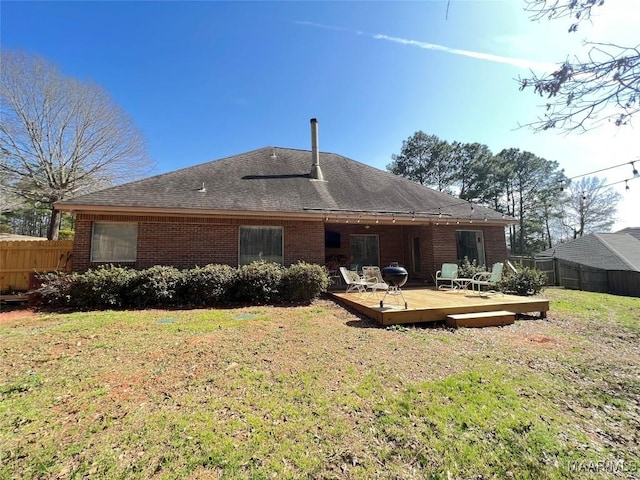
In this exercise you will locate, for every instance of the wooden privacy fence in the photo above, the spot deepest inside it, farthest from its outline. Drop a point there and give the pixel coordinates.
(20, 259)
(581, 277)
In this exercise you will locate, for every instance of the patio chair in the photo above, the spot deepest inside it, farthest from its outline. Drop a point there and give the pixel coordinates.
(353, 281)
(445, 277)
(373, 277)
(487, 279)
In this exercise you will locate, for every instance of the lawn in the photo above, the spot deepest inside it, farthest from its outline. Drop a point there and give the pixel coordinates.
(318, 392)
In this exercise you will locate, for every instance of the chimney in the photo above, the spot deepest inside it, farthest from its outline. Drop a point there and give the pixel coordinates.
(316, 173)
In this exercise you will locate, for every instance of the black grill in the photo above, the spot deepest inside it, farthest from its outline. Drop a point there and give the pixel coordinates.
(396, 276)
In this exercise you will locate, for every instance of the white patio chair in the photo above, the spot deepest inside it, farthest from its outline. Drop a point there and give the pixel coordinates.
(373, 278)
(353, 281)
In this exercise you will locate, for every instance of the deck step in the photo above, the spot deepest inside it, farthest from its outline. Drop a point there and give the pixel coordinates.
(481, 319)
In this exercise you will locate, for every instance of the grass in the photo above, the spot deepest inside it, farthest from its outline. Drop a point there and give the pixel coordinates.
(315, 392)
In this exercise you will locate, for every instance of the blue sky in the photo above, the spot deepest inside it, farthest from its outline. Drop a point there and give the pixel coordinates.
(205, 80)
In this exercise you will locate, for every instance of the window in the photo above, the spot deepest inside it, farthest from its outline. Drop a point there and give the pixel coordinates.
(364, 250)
(471, 245)
(261, 243)
(114, 242)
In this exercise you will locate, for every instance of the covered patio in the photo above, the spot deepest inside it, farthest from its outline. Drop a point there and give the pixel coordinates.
(426, 304)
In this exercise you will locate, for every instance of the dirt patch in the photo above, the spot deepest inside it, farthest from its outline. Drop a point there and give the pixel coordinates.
(540, 339)
(10, 313)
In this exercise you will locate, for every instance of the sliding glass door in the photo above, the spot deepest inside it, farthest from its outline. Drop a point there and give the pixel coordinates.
(470, 244)
(364, 250)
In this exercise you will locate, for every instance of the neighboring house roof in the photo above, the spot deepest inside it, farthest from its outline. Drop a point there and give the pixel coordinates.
(609, 251)
(277, 181)
(633, 231)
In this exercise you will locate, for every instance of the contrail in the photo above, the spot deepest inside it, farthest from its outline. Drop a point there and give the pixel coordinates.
(516, 62)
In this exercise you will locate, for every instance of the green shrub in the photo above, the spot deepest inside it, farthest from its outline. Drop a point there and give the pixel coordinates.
(208, 285)
(526, 281)
(154, 286)
(66, 234)
(302, 282)
(4, 228)
(468, 269)
(54, 290)
(109, 286)
(259, 282)
(103, 287)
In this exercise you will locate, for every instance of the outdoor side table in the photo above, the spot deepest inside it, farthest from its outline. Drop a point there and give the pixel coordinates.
(461, 283)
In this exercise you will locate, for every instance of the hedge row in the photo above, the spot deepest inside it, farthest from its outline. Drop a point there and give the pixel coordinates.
(212, 285)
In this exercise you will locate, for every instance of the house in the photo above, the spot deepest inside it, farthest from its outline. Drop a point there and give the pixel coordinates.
(633, 231)
(608, 251)
(283, 205)
(598, 262)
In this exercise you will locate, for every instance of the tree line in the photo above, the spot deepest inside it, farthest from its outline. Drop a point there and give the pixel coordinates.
(548, 206)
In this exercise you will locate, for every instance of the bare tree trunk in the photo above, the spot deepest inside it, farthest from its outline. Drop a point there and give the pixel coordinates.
(54, 224)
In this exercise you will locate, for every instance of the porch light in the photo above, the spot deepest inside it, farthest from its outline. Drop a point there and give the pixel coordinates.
(635, 170)
(626, 184)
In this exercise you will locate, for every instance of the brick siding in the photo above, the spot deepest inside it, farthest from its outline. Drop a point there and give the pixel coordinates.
(185, 242)
(189, 241)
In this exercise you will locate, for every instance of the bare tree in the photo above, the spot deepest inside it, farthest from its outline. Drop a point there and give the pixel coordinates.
(591, 207)
(583, 93)
(60, 137)
(9, 200)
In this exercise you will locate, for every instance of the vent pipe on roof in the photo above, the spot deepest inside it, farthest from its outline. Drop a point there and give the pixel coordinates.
(316, 172)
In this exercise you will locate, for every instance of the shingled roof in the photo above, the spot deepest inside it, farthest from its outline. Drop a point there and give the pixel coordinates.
(633, 231)
(609, 251)
(277, 181)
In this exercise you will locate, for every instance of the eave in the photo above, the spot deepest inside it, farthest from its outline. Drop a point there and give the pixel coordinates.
(311, 214)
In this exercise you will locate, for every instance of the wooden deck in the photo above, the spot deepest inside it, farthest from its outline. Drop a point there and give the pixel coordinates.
(431, 305)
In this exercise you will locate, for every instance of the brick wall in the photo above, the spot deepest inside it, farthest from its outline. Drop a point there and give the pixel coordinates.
(186, 242)
(445, 248)
(495, 245)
